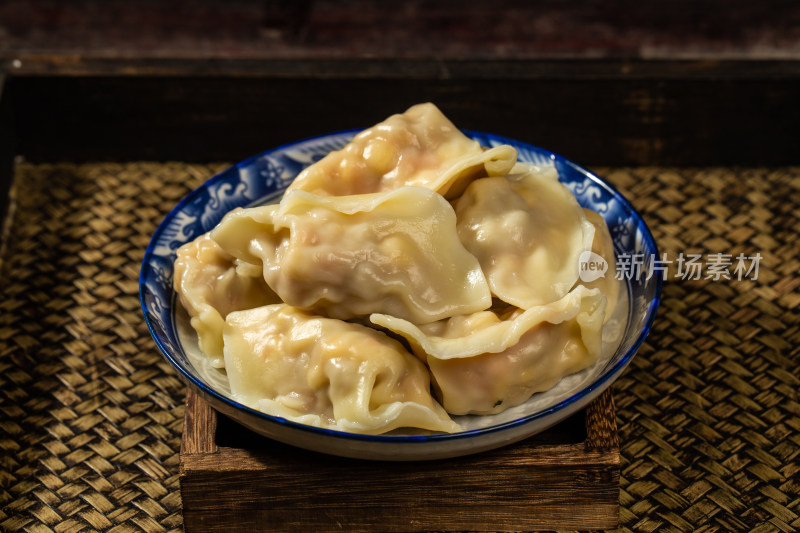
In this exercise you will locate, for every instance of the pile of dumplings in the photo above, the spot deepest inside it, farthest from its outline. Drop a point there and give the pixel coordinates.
(410, 276)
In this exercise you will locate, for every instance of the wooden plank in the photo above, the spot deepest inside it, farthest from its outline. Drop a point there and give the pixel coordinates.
(82, 31)
(226, 81)
(601, 122)
(46, 64)
(199, 421)
(506, 499)
(256, 484)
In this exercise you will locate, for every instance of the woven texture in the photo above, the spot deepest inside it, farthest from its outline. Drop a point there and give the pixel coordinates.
(708, 412)
(91, 414)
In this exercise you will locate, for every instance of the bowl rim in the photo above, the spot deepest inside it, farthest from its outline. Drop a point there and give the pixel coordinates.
(601, 382)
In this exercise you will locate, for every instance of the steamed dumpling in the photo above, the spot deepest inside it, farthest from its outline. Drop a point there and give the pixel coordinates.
(527, 231)
(465, 261)
(603, 246)
(327, 373)
(210, 284)
(345, 257)
(420, 147)
(484, 363)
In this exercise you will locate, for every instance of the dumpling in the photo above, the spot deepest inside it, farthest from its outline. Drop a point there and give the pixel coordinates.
(420, 147)
(603, 246)
(345, 257)
(483, 363)
(327, 373)
(527, 231)
(210, 284)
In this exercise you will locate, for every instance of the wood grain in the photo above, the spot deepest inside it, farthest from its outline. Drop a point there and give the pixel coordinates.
(593, 122)
(199, 421)
(70, 37)
(264, 485)
(601, 83)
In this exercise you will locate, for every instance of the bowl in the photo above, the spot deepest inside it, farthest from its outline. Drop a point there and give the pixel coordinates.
(263, 178)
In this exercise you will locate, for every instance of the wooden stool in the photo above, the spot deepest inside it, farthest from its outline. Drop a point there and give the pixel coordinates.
(235, 480)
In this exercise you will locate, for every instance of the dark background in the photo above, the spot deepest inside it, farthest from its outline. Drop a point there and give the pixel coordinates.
(602, 82)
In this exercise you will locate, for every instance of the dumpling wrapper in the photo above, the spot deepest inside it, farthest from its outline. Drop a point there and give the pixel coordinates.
(603, 245)
(482, 364)
(327, 373)
(527, 231)
(210, 284)
(420, 147)
(344, 257)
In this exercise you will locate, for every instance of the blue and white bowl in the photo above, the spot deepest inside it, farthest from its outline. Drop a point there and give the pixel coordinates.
(263, 178)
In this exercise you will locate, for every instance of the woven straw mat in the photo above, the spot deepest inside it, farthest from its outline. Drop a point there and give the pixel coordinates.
(91, 413)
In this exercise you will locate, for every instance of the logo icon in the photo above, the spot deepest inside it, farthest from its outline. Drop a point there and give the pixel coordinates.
(591, 266)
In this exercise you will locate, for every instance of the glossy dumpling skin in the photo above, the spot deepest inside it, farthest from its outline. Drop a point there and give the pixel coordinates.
(345, 257)
(484, 363)
(210, 284)
(603, 245)
(420, 147)
(327, 373)
(527, 231)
